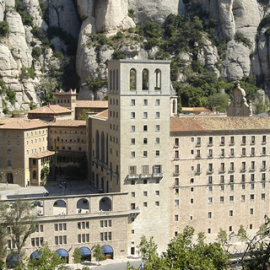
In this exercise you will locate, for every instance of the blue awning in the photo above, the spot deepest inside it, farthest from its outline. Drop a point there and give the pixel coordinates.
(85, 251)
(34, 255)
(62, 253)
(107, 249)
(13, 257)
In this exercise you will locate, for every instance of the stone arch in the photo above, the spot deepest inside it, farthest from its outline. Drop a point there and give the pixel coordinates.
(133, 79)
(105, 204)
(59, 207)
(97, 144)
(63, 254)
(85, 254)
(107, 251)
(158, 79)
(145, 79)
(102, 147)
(83, 205)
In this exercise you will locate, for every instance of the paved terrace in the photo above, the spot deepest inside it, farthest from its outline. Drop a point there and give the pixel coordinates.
(12, 191)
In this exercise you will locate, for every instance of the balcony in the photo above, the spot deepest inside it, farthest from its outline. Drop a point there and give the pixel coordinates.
(198, 156)
(176, 173)
(198, 172)
(198, 145)
(222, 171)
(176, 146)
(263, 142)
(263, 169)
(133, 176)
(210, 144)
(210, 171)
(231, 170)
(222, 143)
(144, 176)
(134, 211)
(210, 156)
(252, 169)
(243, 170)
(231, 144)
(157, 175)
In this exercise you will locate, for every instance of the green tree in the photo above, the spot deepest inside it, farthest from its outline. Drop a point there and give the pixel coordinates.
(36, 52)
(47, 260)
(21, 221)
(183, 253)
(4, 29)
(77, 256)
(220, 101)
(45, 172)
(222, 237)
(3, 249)
(242, 233)
(98, 253)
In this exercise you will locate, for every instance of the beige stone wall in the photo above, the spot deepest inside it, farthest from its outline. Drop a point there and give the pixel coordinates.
(194, 192)
(68, 138)
(117, 217)
(17, 146)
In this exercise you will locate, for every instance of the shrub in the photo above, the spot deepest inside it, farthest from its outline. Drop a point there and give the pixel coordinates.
(36, 52)
(11, 96)
(4, 29)
(239, 37)
(26, 18)
(27, 73)
(131, 13)
(58, 55)
(118, 55)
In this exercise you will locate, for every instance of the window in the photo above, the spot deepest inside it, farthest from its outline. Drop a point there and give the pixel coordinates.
(132, 103)
(252, 165)
(176, 141)
(157, 153)
(157, 169)
(222, 167)
(264, 139)
(145, 102)
(176, 154)
(145, 128)
(243, 168)
(263, 196)
(157, 102)
(176, 169)
(157, 192)
(144, 153)
(231, 213)
(157, 140)
(198, 141)
(221, 199)
(157, 115)
(210, 153)
(132, 115)
(132, 154)
(231, 178)
(252, 197)
(9, 163)
(252, 139)
(222, 152)
(210, 180)
(243, 151)
(222, 140)
(132, 129)
(210, 141)
(251, 211)
(243, 139)
(157, 128)
(243, 197)
(145, 169)
(209, 214)
(145, 115)
(264, 151)
(132, 170)
(210, 199)
(156, 203)
(176, 202)
(232, 140)
(145, 204)
(222, 179)
(232, 151)
(132, 194)
(145, 193)
(132, 141)
(176, 218)
(230, 228)
(231, 198)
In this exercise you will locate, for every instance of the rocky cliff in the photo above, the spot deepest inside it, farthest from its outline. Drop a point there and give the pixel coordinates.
(44, 41)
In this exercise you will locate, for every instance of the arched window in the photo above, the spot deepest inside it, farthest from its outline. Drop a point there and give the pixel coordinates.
(110, 79)
(107, 146)
(34, 174)
(132, 79)
(102, 147)
(113, 79)
(97, 144)
(105, 204)
(145, 79)
(158, 79)
(174, 107)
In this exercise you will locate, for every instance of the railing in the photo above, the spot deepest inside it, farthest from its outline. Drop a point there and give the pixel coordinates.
(145, 175)
(157, 175)
(133, 176)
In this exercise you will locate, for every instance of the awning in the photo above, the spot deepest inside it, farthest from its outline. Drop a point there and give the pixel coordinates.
(34, 255)
(107, 249)
(85, 251)
(62, 253)
(13, 257)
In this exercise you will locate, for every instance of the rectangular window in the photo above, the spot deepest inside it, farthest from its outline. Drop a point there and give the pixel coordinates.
(222, 140)
(132, 103)
(132, 141)
(157, 115)
(176, 141)
(132, 170)
(252, 139)
(145, 115)
(243, 139)
(145, 128)
(243, 197)
(157, 128)
(232, 140)
(132, 129)
(221, 199)
(145, 102)
(231, 198)
(132, 115)
(157, 102)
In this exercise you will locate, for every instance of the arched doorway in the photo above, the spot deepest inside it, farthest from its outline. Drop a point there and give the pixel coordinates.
(83, 206)
(12, 260)
(86, 254)
(63, 254)
(10, 178)
(60, 207)
(108, 252)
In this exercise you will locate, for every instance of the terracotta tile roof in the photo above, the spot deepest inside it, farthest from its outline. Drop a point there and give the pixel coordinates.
(103, 115)
(183, 124)
(68, 123)
(92, 104)
(43, 154)
(22, 123)
(195, 109)
(51, 109)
